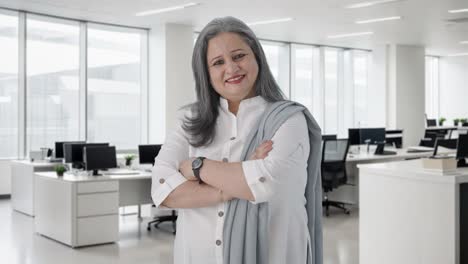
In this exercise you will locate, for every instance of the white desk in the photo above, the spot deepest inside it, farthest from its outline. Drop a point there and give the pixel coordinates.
(83, 210)
(22, 183)
(409, 215)
(350, 193)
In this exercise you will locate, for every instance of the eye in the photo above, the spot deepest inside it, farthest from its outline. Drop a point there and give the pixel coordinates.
(218, 62)
(238, 56)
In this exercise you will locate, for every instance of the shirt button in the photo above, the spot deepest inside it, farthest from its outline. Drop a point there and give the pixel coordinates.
(233, 138)
(220, 213)
(262, 179)
(161, 181)
(225, 160)
(218, 242)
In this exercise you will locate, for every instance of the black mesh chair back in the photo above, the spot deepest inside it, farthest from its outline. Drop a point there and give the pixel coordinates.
(334, 154)
(446, 143)
(430, 138)
(328, 137)
(431, 122)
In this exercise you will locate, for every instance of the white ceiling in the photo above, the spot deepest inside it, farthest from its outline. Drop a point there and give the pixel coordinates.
(424, 21)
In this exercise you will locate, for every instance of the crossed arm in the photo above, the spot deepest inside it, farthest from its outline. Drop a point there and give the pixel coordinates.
(223, 181)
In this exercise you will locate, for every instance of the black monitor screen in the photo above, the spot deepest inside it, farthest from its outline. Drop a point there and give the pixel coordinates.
(462, 146)
(99, 157)
(148, 153)
(354, 136)
(372, 135)
(59, 153)
(73, 152)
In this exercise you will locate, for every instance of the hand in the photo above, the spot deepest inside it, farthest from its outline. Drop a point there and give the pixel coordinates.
(262, 150)
(185, 168)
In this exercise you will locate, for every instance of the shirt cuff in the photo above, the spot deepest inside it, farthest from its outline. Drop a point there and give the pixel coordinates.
(258, 180)
(162, 187)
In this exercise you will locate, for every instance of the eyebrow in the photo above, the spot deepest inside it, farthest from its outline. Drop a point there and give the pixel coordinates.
(232, 51)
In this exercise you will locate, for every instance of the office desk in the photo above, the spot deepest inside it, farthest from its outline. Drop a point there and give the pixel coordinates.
(412, 215)
(83, 210)
(22, 183)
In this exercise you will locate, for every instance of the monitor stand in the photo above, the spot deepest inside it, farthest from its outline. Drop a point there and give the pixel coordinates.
(95, 173)
(462, 163)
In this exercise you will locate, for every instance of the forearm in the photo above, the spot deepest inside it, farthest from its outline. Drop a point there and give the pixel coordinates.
(228, 177)
(191, 194)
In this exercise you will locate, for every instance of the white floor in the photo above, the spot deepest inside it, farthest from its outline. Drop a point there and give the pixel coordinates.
(20, 245)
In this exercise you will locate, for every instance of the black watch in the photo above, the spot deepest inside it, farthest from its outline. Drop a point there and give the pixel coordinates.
(197, 163)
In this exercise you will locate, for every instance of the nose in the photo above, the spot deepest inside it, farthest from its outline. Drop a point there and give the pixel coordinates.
(231, 67)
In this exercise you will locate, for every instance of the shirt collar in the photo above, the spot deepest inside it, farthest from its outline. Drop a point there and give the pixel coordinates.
(245, 105)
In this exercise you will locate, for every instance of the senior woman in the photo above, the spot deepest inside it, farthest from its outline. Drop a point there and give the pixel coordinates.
(243, 165)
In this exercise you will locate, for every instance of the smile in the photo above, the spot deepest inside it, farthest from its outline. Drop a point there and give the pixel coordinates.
(236, 79)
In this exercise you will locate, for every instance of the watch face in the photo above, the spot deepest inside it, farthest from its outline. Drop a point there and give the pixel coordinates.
(196, 163)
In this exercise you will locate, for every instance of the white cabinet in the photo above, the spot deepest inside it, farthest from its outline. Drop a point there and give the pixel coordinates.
(77, 213)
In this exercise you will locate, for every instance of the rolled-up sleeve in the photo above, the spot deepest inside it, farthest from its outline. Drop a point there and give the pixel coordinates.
(165, 173)
(286, 163)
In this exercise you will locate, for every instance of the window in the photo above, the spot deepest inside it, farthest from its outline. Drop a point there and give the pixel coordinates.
(114, 97)
(8, 85)
(52, 81)
(331, 91)
(277, 55)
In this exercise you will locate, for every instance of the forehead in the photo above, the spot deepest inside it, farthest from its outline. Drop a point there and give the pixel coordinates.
(225, 42)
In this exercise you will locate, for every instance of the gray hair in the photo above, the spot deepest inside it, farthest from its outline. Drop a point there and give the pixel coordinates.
(204, 112)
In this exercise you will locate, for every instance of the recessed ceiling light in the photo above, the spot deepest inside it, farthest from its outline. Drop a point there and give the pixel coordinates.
(458, 54)
(163, 10)
(458, 11)
(371, 3)
(378, 20)
(279, 20)
(350, 35)
(464, 42)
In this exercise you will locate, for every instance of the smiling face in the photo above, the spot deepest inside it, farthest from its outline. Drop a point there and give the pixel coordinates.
(232, 67)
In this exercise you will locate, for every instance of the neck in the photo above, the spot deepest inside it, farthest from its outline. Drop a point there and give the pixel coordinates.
(233, 107)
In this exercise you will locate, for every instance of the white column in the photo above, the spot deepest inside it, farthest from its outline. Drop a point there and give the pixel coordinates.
(406, 92)
(171, 84)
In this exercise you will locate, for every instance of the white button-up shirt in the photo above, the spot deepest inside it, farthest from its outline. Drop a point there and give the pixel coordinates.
(279, 179)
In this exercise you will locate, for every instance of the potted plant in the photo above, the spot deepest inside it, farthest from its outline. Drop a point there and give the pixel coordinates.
(456, 121)
(128, 159)
(441, 121)
(60, 170)
(463, 121)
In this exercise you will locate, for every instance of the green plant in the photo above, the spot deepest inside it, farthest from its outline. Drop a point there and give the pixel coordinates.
(128, 159)
(442, 120)
(456, 121)
(463, 120)
(60, 170)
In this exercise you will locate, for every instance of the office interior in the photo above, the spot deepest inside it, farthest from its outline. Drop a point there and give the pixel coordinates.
(385, 80)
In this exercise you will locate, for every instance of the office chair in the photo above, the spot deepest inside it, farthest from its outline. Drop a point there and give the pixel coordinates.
(333, 169)
(165, 218)
(431, 122)
(446, 143)
(430, 138)
(328, 137)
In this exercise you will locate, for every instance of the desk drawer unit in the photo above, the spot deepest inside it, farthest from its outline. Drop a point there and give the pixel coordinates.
(97, 230)
(97, 204)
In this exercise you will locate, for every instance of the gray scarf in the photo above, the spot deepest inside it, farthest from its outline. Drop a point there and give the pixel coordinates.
(246, 225)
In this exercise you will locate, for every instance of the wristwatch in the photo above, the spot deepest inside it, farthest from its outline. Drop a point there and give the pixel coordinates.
(197, 163)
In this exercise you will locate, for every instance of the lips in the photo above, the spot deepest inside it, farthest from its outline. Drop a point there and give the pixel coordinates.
(235, 79)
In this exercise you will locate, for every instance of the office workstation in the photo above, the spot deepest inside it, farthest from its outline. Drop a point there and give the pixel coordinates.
(98, 92)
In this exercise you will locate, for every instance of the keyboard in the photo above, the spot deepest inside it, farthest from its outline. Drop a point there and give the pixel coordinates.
(120, 172)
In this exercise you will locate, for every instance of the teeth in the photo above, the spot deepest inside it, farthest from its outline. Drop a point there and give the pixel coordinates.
(235, 79)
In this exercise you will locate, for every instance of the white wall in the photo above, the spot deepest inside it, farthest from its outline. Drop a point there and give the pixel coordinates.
(453, 91)
(406, 92)
(376, 91)
(171, 84)
(5, 177)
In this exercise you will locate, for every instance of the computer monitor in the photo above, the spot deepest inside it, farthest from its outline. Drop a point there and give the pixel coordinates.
(59, 148)
(73, 152)
(99, 158)
(354, 136)
(462, 150)
(148, 153)
(446, 143)
(329, 137)
(372, 135)
(431, 122)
